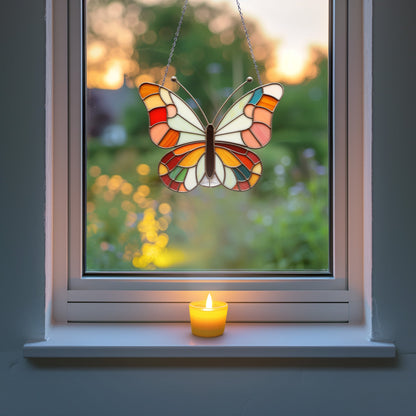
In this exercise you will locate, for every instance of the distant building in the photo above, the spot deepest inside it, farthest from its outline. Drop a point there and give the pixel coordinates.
(105, 110)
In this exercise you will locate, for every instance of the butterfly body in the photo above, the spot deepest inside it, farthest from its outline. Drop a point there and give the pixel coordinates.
(209, 151)
(215, 154)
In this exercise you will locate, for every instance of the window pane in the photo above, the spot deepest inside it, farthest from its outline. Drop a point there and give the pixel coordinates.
(133, 222)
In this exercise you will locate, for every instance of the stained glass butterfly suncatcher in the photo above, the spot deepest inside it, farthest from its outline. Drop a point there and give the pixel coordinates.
(216, 153)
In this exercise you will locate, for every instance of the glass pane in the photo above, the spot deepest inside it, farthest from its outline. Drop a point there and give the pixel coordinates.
(133, 221)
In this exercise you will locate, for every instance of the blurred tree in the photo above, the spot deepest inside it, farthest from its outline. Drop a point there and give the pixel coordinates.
(211, 55)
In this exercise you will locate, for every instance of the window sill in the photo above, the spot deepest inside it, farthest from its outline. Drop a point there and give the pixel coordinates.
(239, 340)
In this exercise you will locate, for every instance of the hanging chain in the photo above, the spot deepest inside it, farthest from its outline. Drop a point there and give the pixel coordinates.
(175, 39)
(248, 41)
(178, 29)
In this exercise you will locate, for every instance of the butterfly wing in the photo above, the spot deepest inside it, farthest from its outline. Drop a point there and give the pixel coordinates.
(236, 168)
(183, 168)
(171, 121)
(248, 122)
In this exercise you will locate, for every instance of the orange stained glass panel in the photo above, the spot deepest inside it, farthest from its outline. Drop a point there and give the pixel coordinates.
(267, 102)
(253, 180)
(157, 132)
(148, 89)
(263, 116)
(192, 159)
(170, 139)
(187, 148)
(227, 157)
(247, 162)
(163, 170)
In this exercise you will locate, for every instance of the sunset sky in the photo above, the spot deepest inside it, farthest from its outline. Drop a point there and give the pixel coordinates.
(297, 24)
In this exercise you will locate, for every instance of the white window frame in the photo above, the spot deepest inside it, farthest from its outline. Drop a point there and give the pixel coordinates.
(337, 298)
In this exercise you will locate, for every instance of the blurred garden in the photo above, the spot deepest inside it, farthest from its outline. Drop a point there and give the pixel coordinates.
(133, 222)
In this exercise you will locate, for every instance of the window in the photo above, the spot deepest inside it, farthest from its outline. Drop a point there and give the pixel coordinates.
(83, 292)
(133, 224)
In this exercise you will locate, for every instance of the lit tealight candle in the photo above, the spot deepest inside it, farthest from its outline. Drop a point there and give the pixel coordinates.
(208, 318)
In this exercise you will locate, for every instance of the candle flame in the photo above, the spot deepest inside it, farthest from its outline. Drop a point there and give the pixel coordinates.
(208, 303)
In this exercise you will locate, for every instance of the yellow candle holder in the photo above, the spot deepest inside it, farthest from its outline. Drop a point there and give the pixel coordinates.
(208, 318)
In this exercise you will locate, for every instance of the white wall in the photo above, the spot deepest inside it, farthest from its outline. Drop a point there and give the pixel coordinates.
(225, 387)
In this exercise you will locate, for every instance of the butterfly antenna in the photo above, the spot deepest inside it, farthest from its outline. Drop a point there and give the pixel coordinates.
(248, 79)
(174, 79)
